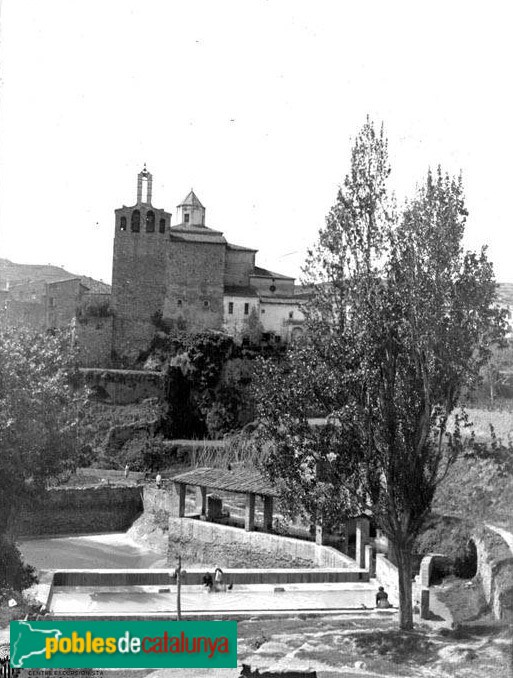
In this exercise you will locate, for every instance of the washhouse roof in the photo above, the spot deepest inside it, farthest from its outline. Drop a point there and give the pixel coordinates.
(239, 480)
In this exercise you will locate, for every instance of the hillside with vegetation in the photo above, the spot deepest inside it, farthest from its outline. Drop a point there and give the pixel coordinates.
(13, 273)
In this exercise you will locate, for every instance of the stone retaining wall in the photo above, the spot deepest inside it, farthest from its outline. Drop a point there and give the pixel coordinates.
(495, 569)
(156, 500)
(109, 473)
(203, 542)
(81, 510)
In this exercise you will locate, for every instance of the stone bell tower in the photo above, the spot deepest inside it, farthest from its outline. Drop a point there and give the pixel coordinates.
(139, 270)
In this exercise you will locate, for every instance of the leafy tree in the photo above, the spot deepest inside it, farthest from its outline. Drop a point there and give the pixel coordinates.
(39, 409)
(401, 320)
(252, 329)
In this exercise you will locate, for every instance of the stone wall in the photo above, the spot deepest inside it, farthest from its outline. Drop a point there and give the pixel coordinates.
(110, 474)
(81, 510)
(495, 570)
(94, 340)
(156, 500)
(22, 314)
(208, 543)
(138, 282)
(195, 284)
(262, 282)
(236, 322)
(240, 263)
(275, 316)
(125, 386)
(61, 300)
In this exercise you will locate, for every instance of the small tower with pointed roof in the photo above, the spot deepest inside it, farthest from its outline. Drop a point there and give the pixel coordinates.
(190, 211)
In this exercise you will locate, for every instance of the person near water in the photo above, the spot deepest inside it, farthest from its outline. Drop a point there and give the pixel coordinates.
(382, 598)
(158, 480)
(127, 469)
(208, 582)
(219, 583)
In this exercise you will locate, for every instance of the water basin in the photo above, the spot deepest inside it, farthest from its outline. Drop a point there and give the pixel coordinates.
(90, 600)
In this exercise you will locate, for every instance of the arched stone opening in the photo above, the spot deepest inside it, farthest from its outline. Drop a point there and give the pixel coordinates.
(136, 221)
(150, 222)
(465, 563)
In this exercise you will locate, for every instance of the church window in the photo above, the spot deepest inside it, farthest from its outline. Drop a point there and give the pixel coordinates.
(186, 218)
(162, 226)
(122, 224)
(246, 309)
(230, 308)
(206, 304)
(136, 221)
(291, 314)
(150, 222)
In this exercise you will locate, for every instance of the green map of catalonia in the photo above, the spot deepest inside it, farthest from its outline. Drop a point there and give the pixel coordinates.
(29, 642)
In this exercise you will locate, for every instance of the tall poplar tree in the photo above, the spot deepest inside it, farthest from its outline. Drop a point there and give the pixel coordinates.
(401, 321)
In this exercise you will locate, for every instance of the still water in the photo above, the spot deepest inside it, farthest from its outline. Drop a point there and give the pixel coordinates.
(151, 599)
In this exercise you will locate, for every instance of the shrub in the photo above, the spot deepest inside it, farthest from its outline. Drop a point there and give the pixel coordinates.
(14, 573)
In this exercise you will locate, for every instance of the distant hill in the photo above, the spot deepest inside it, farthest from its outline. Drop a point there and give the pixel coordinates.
(17, 273)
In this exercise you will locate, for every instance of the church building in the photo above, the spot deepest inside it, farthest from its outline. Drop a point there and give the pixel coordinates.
(189, 275)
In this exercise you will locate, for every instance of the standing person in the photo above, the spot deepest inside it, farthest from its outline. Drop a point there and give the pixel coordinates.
(127, 469)
(219, 580)
(382, 598)
(158, 480)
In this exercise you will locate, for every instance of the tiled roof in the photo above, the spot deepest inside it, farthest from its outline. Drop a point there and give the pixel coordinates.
(234, 291)
(264, 273)
(240, 480)
(187, 233)
(279, 298)
(231, 246)
(191, 199)
(65, 280)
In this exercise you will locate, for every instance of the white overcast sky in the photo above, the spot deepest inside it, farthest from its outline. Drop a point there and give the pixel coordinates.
(253, 103)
